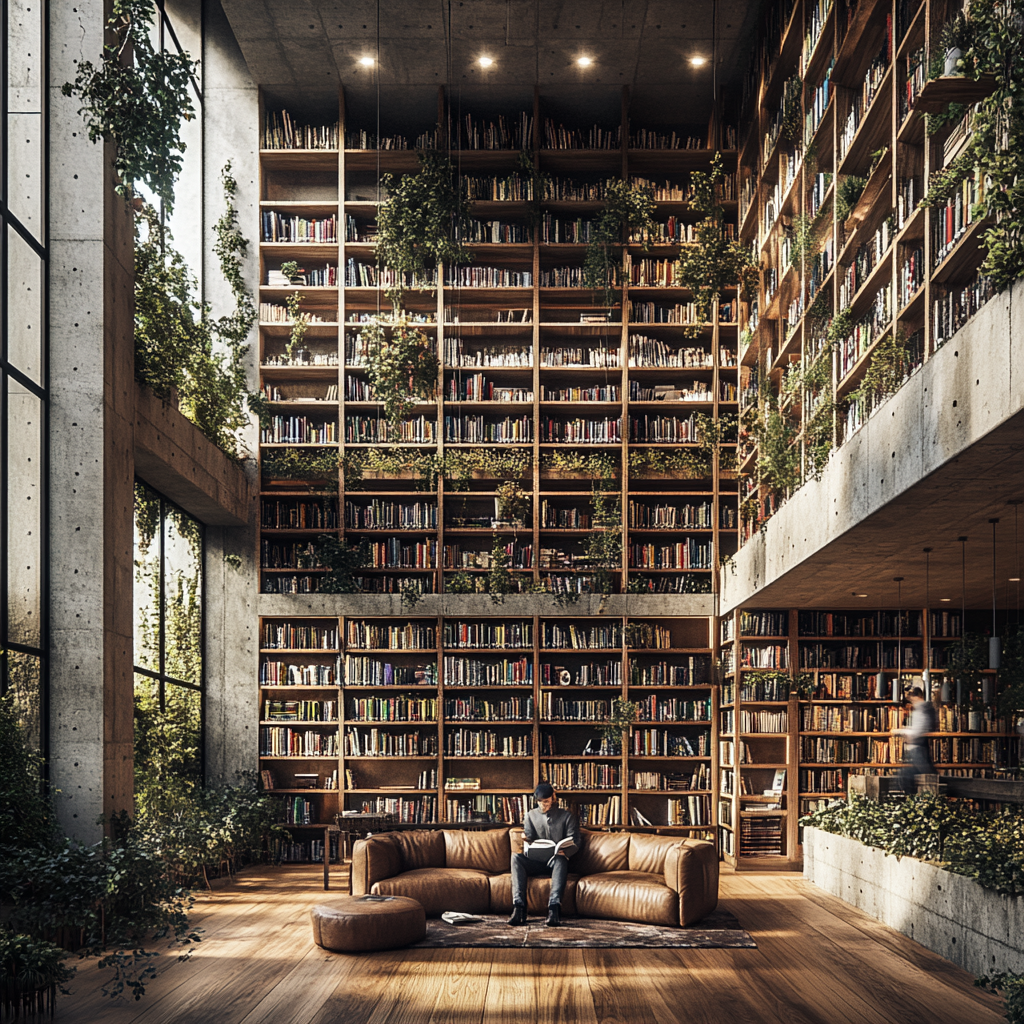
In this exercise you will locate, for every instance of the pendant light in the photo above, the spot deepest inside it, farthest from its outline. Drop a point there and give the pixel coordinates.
(963, 611)
(1016, 503)
(926, 672)
(994, 643)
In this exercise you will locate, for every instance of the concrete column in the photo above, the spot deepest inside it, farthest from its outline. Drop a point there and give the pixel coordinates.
(91, 450)
(231, 132)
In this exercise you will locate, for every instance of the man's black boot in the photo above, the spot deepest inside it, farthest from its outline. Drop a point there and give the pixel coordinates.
(518, 915)
(554, 915)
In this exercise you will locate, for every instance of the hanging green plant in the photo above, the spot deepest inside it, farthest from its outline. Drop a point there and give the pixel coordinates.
(1011, 675)
(840, 328)
(138, 105)
(401, 366)
(423, 220)
(804, 245)
(778, 457)
(179, 344)
(690, 463)
(300, 324)
(623, 715)
(497, 463)
(344, 560)
(604, 545)
(627, 207)
(500, 581)
(513, 502)
(713, 262)
(890, 365)
(792, 115)
(300, 464)
(599, 465)
(848, 192)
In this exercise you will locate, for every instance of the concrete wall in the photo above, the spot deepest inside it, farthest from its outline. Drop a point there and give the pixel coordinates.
(231, 132)
(92, 383)
(949, 914)
(965, 390)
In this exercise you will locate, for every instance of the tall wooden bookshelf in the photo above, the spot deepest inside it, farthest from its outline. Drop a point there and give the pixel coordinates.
(849, 669)
(533, 362)
(425, 703)
(564, 384)
(859, 75)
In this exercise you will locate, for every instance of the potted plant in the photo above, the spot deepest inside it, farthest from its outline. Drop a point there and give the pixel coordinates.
(954, 38)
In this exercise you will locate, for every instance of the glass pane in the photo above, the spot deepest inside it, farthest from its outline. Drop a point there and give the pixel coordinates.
(146, 589)
(24, 307)
(168, 745)
(24, 508)
(25, 67)
(183, 596)
(24, 682)
(185, 221)
(184, 16)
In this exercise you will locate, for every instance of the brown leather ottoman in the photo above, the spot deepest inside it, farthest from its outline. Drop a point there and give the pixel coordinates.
(361, 924)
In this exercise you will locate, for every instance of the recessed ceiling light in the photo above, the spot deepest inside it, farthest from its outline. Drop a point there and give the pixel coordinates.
(862, 595)
(584, 62)
(486, 62)
(698, 62)
(947, 599)
(1015, 579)
(367, 62)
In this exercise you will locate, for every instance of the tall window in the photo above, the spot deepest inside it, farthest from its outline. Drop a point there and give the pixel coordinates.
(23, 365)
(168, 600)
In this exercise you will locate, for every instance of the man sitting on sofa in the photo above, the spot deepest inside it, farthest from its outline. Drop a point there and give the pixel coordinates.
(546, 821)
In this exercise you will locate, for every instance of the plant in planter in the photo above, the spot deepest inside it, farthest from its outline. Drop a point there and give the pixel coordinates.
(388, 460)
(513, 502)
(598, 465)
(604, 546)
(293, 272)
(628, 207)
(954, 41)
(300, 464)
(459, 583)
(713, 262)
(401, 365)
(887, 371)
(495, 463)
(423, 219)
(139, 104)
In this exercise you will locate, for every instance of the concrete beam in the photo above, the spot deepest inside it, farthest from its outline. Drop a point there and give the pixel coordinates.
(937, 460)
(176, 459)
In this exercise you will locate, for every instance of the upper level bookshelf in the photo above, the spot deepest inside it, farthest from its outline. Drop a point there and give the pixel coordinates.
(534, 367)
(833, 164)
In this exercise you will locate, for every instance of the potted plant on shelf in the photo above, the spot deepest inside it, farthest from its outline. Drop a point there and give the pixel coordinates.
(954, 39)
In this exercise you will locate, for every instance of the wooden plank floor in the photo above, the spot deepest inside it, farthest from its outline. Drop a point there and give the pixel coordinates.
(818, 961)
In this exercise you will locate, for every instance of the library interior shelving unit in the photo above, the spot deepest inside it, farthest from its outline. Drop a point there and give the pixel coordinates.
(836, 715)
(451, 719)
(531, 361)
(838, 92)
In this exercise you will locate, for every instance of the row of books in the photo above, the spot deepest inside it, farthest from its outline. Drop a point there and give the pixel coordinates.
(390, 515)
(461, 671)
(489, 807)
(401, 708)
(661, 743)
(298, 430)
(283, 514)
(864, 656)
(363, 671)
(282, 131)
(375, 636)
(493, 635)
(608, 673)
(280, 227)
(477, 388)
(486, 743)
(388, 743)
(764, 721)
(475, 709)
(670, 517)
(684, 670)
(685, 554)
(300, 710)
(284, 741)
(567, 775)
(377, 430)
(287, 636)
(279, 673)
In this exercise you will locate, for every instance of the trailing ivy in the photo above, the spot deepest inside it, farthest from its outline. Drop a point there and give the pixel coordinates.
(390, 460)
(299, 322)
(713, 262)
(500, 581)
(804, 243)
(888, 369)
(179, 344)
(401, 366)
(1011, 985)
(792, 113)
(628, 207)
(596, 464)
(994, 151)
(137, 97)
(344, 560)
(301, 464)
(848, 193)
(423, 220)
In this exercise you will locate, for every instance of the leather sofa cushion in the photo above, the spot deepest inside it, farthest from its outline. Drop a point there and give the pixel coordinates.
(602, 851)
(538, 891)
(691, 870)
(483, 851)
(420, 849)
(628, 896)
(441, 889)
(374, 858)
(647, 853)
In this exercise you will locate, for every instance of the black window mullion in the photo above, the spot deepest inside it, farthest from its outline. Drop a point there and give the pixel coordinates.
(162, 607)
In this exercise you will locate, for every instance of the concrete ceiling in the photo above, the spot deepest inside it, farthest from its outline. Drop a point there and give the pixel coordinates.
(957, 500)
(300, 50)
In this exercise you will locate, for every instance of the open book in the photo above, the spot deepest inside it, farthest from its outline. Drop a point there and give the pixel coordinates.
(544, 849)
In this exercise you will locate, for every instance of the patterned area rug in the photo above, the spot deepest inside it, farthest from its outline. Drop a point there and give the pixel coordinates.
(718, 931)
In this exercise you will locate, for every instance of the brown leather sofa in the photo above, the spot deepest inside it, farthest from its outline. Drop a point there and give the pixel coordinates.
(619, 875)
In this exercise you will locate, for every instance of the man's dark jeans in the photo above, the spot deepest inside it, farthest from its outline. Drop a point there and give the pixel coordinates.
(523, 867)
(918, 762)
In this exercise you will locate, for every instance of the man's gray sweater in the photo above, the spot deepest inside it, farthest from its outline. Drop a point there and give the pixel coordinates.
(557, 824)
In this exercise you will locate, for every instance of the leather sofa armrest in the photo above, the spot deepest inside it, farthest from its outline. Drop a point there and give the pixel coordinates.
(373, 859)
(691, 872)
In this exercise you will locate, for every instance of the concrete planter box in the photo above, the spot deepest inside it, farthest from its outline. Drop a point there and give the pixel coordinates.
(950, 914)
